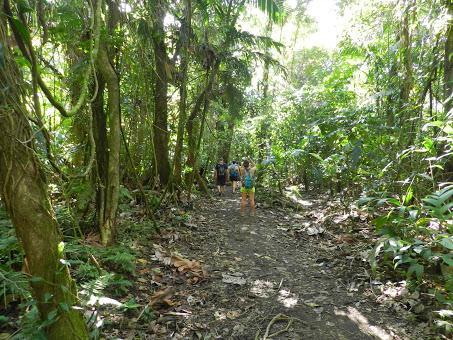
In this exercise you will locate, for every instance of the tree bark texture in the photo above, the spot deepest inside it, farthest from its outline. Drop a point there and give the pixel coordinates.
(24, 192)
(160, 126)
(110, 187)
(193, 123)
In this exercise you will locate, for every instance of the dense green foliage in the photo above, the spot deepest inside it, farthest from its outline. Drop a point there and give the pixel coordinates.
(368, 120)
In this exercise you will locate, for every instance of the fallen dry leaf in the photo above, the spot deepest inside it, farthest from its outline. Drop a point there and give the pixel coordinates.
(192, 268)
(161, 298)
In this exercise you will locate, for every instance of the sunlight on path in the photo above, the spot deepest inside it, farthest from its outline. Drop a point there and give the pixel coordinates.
(362, 322)
(269, 272)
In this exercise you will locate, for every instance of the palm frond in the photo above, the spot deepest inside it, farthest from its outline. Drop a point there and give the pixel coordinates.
(266, 58)
(273, 8)
(262, 42)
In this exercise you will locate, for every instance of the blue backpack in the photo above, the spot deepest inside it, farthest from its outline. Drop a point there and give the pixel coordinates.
(234, 171)
(249, 181)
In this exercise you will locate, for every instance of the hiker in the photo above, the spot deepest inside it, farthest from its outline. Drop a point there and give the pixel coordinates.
(247, 173)
(220, 175)
(234, 175)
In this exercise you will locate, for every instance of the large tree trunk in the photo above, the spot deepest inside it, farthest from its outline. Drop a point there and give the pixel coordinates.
(192, 125)
(24, 192)
(108, 137)
(112, 183)
(102, 154)
(185, 42)
(160, 126)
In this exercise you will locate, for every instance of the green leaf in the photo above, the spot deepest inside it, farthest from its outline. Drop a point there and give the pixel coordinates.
(447, 242)
(432, 201)
(317, 156)
(23, 6)
(363, 200)
(64, 306)
(60, 248)
(409, 194)
(52, 315)
(23, 30)
(394, 201)
(448, 259)
(446, 208)
(416, 268)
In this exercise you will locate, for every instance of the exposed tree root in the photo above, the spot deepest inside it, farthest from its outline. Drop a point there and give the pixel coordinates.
(278, 317)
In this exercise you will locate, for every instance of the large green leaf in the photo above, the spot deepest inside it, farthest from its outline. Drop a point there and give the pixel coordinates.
(416, 268)
(447, 242)
(21, 28)
(273, 8)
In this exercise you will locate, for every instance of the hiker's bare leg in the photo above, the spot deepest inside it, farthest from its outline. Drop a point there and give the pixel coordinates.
(243, 202)
(252, 203)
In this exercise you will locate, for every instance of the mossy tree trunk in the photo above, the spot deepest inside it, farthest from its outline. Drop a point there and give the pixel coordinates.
(193, 124)
(24, 192)
(107, 134)
(160, 126)
(110, 187)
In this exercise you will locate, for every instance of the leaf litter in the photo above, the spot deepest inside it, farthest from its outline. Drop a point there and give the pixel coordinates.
(265, 278)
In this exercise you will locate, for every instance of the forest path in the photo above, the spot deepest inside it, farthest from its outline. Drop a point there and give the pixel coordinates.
(263, 266)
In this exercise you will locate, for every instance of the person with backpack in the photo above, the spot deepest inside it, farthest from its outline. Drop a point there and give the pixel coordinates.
(234, 175)
(220, 175)
(247, 173)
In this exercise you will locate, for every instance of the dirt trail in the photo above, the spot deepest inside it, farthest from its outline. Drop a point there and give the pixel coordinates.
(257, 270)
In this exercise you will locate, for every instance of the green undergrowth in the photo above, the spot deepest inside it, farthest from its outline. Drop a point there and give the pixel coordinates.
(100, 273)
(416, 244)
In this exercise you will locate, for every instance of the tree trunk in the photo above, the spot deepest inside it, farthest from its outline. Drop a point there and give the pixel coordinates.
(185, 42)
(408, 80)
(24, 191)
(193, 127)
(160, 126)
(193, 123)
(102, 154)
(112, 182)
(407, 59)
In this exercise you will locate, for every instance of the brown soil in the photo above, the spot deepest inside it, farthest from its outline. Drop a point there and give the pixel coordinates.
(266, 272)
